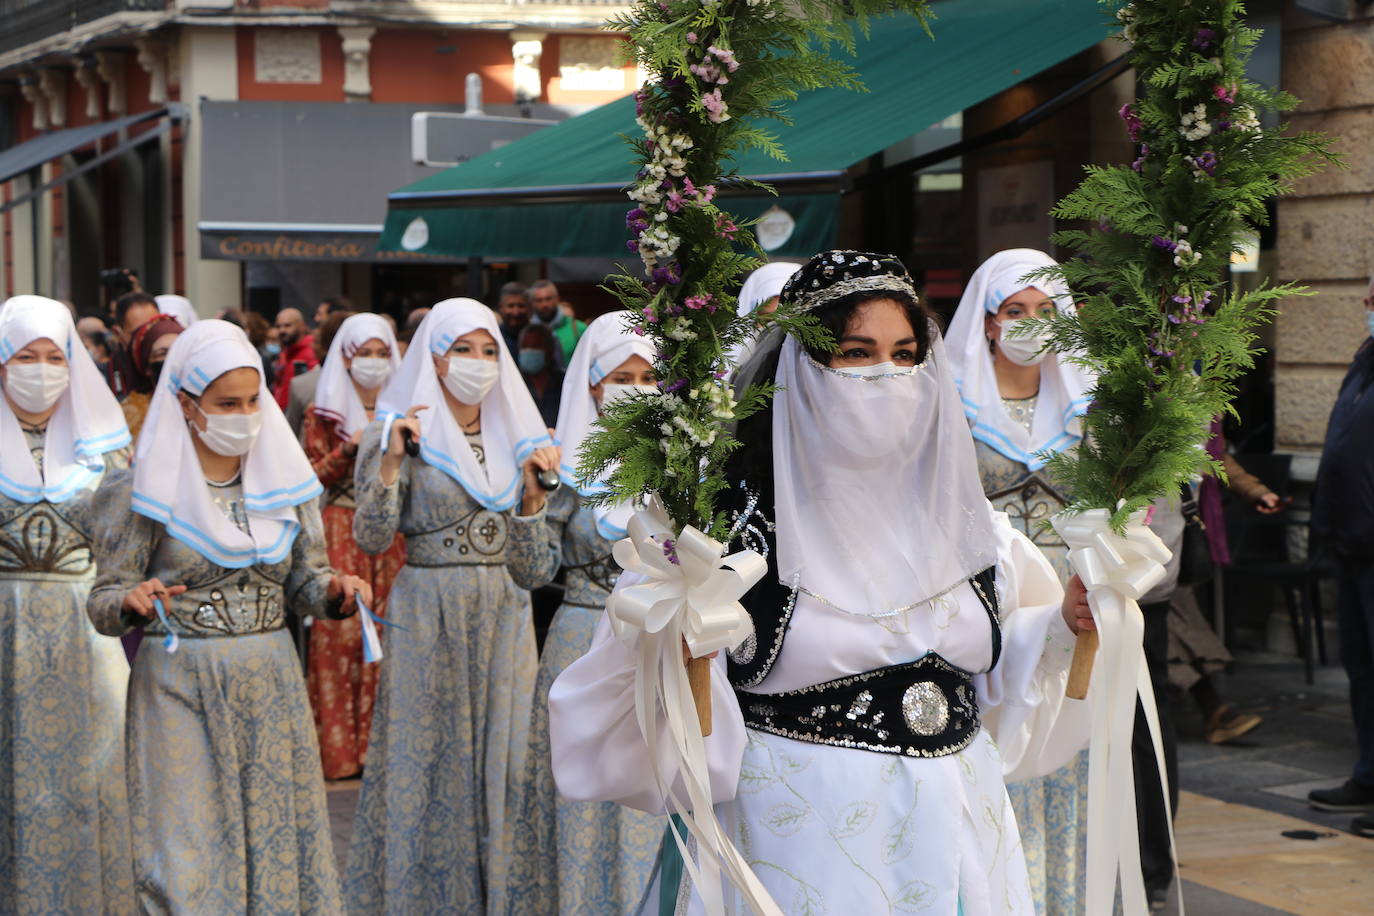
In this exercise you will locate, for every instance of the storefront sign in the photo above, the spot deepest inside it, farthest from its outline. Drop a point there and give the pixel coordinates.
(306, 246)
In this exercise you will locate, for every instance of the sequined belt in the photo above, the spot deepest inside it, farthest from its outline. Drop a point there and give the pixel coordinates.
(477, 539)
(925, 708)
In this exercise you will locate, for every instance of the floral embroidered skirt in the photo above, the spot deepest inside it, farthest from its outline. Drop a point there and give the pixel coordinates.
(342, 687)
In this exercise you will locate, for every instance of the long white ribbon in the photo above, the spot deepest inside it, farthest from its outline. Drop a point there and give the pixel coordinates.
(690, 594)
(1117, 570)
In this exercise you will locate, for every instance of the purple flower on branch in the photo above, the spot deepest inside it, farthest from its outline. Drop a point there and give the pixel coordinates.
(1134, 125)
(1139, 163)
(1205, 39)
(1160, 242)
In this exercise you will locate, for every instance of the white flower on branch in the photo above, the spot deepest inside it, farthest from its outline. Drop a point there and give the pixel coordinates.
(1194, 124)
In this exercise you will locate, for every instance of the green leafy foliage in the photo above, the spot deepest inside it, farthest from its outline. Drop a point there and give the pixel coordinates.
(1166, 337)
(721, 74)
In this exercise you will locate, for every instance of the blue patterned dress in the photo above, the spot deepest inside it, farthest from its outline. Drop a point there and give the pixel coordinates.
(224, 777)
(577, 857)
(446, 766)
(64, 839)
(1051, 811)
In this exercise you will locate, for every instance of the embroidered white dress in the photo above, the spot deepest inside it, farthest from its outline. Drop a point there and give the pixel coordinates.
(830, 829)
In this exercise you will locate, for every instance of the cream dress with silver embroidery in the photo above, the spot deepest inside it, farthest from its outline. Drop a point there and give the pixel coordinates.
(833, 830)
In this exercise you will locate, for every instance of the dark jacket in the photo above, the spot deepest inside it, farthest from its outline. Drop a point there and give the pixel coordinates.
(1343, 504)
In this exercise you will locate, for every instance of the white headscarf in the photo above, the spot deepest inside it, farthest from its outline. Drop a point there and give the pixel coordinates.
(87, 423)
(335, 396)
(760, 286)
(169, 485)
(179, 307)
(607, 342)
(1064, 388)
(511, 425)
(879, 504)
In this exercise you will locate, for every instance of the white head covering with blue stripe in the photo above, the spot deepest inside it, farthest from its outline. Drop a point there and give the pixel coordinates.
(511, 425)
(607, 342)
(1064, 388)
(169, 486)
(86, 424)
(335, 396)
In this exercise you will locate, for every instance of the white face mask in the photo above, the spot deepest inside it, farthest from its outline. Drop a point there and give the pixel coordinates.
(35, 386)
(1024, 351)
(469, 380)
(611, 392)
(230, 434)
(370, 371)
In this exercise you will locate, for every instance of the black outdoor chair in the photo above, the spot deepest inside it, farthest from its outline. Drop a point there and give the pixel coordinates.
(1260, 554)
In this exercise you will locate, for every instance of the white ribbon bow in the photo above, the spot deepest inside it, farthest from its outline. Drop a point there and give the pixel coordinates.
(1117, 570)
(690, 593)
(688, 581)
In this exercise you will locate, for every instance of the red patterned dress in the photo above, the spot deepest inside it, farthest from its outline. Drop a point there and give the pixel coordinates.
(342, 688)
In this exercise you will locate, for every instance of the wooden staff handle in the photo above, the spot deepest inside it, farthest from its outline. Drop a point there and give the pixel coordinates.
(1081, 672)
(699, 676)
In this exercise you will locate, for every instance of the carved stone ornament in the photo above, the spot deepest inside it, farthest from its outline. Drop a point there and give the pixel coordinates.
(110, 67)
(152, 57)
(89, 81)
(53, 82)
(286, 56)
(526, 49)
(357, 50)
(33, 94)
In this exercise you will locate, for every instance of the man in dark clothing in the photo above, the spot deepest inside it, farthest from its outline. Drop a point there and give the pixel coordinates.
(544, 379)
(131, 312)
(1343, 521)
(513, 305)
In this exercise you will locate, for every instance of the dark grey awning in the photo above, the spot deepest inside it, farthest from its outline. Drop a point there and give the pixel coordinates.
(30, 155)
(309, 180)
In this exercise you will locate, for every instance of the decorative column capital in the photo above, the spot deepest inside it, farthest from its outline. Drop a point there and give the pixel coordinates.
(152, 57)
(33, 94)
(109, 66)
(357, 51)
(53, 82)
(527, 47)
(89, 81)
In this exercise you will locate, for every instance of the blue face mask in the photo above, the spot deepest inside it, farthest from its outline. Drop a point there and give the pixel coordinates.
(273, 349)
(1369, 319)
(532, 362)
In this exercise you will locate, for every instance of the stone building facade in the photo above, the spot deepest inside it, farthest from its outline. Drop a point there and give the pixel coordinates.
(1326, 225)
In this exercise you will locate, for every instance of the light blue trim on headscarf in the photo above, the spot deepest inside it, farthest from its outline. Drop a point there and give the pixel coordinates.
(203, 544)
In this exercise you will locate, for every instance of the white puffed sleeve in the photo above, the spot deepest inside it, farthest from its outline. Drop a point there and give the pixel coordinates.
(1037, 729)
(599, 753)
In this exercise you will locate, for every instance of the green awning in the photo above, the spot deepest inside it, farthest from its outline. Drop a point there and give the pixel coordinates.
(557, 192)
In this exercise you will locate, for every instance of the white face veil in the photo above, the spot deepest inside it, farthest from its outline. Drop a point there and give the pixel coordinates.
(1064, 388)
(878, 502)
(607, 342)
(86, 424)
(511, 425)
(335, 396)
(169, 485)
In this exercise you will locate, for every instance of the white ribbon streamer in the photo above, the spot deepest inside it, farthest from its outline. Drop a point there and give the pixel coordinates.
(1117, 570)
(690, 593)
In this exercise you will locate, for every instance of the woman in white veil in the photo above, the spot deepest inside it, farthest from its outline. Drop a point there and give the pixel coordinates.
(1023, 402)
(902, 626)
